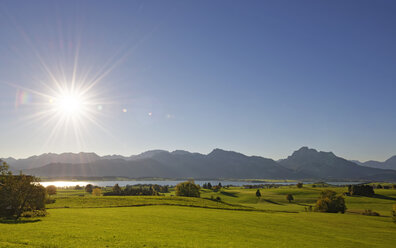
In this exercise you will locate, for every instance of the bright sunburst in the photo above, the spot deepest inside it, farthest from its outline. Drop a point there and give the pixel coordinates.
(67, 98)
(71, 104)
(66, 109)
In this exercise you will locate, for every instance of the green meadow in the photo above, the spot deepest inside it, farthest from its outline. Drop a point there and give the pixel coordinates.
(240, 219)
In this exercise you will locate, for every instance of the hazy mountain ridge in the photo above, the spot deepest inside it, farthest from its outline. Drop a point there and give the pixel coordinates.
(389, 164)
(304, 163)
(48, 158)
(327, 165)
(177, 164)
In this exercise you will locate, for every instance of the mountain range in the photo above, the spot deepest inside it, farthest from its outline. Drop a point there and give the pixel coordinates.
(387, 164)
(304, 163)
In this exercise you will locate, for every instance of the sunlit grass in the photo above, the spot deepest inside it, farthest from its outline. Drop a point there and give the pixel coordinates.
(173, 226)
(78, 219)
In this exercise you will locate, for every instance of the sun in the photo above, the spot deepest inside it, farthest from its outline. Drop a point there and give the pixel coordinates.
(69, 104)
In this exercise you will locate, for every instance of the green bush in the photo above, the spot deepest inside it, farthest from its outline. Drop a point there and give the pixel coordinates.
(51, 189)
(258, 193)
(96, 192)
(117, 189)
(49, 200)
(289, 197)
(331, 203)
(89, 188)
(363, 190)
(34, 213)
(369, 212)
(189, 189)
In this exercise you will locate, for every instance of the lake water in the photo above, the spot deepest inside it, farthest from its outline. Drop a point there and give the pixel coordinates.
(170, 183)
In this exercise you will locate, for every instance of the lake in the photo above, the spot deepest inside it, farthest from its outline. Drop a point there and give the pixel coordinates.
(171, 183)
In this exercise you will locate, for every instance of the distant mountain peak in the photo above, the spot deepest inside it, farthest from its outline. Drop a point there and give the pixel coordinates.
(306, 151)
(217, 151)
(180, 152)
(391, 160)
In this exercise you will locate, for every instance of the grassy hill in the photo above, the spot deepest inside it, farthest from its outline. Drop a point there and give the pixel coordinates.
(169, 221)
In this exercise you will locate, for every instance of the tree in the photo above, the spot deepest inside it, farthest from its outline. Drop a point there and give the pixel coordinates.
(258, 193)
(394, 213)
(209, 185)
(189, 189)
(299, 185)
(97, 192)
(77, 187)
(51, 189)
(117, 189)
(289, 197)
(331, 203)
(89, 188)
(363, 190)
(216, 188)
(19, 193)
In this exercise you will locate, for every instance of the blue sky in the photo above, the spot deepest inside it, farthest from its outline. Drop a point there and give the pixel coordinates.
(259, 77)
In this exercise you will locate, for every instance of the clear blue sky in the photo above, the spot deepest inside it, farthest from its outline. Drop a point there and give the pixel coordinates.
(259, 77)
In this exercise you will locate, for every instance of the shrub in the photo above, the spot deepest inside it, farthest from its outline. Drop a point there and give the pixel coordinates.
(218, 198)
(49, 201)
(299, 185)
(216, 188)
(394, 213)
(369, 212)
(363, 190)
(78, 187)
(258, 193)
(189, 189)
(331, 203)
(117, 189)
(51, 189)
(89, 188)
(34, 213)
(308, 209)
(97, 192)
(289, 197)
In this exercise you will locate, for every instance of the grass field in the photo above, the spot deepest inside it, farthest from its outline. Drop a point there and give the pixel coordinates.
(169, 221)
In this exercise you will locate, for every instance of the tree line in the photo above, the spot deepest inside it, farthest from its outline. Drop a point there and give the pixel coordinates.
(142, 189)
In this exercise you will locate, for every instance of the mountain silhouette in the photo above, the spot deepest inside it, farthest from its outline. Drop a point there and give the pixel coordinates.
(326, 165)
(304, 163)
(387, 164)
